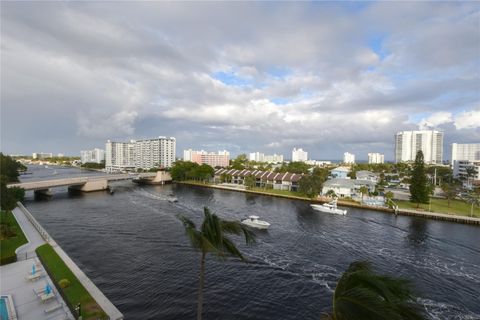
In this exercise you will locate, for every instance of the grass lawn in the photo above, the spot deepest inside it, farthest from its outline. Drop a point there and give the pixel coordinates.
(75, 293)
(11, 237)
(280, 192)
(457, 207)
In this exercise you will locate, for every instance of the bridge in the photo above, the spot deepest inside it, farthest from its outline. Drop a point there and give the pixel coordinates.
(91, 183)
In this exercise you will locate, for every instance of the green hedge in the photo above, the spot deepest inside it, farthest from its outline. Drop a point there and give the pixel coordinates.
(11, 237)
(73, 294)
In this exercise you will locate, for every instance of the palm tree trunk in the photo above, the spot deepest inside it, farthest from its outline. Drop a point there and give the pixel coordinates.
(200, 287)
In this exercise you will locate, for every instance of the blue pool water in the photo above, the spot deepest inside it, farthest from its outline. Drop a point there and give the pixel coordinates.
(3, 309)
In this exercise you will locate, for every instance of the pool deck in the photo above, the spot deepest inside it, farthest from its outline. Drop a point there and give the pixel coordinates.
(27, 304)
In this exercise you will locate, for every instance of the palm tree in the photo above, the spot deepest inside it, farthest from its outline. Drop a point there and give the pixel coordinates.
(212, 238)
(363, 190)
(361, 294)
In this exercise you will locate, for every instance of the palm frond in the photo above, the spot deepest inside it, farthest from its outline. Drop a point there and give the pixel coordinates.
(231, 249)
(235, 227)
(362, 294)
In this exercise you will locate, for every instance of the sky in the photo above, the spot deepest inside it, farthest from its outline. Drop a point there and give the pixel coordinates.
(328, 77)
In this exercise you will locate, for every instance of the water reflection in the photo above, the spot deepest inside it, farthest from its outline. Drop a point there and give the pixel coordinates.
(417, 232)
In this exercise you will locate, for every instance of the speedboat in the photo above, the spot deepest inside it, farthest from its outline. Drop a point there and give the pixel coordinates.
(253, 221)
(330, 207)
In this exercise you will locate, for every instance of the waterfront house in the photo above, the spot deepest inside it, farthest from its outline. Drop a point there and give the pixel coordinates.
(339, 172)
(263, 179)
(347, 187)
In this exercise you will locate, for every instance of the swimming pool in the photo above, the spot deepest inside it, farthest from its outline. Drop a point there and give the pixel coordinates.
(7, 310)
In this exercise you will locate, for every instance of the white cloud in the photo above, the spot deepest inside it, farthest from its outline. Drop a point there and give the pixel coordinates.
(434, 120)
(468, 120)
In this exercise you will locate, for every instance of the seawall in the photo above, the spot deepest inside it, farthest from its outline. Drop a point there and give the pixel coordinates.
(404, 212)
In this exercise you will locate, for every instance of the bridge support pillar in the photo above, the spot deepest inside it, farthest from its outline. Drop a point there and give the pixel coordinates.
(42, 194)
(92, 185)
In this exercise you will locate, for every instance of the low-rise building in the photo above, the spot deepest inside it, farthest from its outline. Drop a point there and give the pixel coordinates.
(347, 187)
(318, 163)
(367, 175)
(273, 158)
(41, 155)
(340, 172)
(263, 179)
(467, 171)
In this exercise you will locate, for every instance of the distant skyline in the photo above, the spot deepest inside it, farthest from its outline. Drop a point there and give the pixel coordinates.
(328, 77)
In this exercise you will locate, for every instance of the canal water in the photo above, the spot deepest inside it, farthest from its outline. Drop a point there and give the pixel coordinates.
(134, 249)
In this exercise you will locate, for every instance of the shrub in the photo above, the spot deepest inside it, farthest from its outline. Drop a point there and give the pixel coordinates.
(63, 283)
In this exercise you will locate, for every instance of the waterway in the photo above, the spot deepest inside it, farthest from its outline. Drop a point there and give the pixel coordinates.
(134, 249)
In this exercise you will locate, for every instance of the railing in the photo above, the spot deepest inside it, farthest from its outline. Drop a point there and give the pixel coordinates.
(71, 181)
(35, 223)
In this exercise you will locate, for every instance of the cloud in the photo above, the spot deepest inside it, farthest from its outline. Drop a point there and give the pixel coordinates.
(435, 119)
(96, 71)
(468, 120)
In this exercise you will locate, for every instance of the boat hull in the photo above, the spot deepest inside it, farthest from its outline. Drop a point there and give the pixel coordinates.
(255, 225)
(328, 209)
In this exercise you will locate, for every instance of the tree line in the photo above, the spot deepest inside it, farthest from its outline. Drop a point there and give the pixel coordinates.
(9, 172)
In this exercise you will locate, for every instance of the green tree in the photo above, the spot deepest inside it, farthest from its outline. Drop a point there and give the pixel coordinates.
(331, 193)
(363, 190)
(250, 181)
(419, 189)
(294, 167)
(9, 168)
(212, 238)
(240, 162)
(181, 169)
(449, 191)
(361, 294)
(310, 186)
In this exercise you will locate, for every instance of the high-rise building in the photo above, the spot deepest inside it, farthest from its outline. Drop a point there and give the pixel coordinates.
(273, 158)
(348, 158)
(269, 158)
(298, 155)
(376, 158)
(407, 143)
(119, 156)
(213, 159)
(257, 156)
(155, 153)
(465, 151)
(92, 156)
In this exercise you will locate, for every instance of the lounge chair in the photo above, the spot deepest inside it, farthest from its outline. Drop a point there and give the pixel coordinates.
(46, 296)
(53, 307)
(34, 277)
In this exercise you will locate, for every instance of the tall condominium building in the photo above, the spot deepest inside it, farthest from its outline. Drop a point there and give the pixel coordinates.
(41, 155)
(407, 143)
(273, 158)
(155, 153)
(348, 158)
(465, 151)
(269, 158)
(119, 156)
(213, 159)
(257, 156)
(298, 155)
(376, 158)
(92, 156)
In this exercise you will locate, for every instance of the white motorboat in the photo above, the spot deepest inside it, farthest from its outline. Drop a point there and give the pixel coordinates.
(330, 207)
(254, 222)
